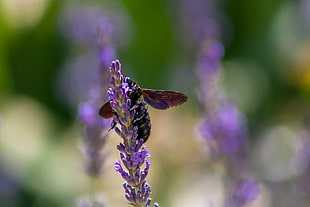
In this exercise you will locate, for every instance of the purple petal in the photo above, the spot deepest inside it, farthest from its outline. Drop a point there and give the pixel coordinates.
(248, 190)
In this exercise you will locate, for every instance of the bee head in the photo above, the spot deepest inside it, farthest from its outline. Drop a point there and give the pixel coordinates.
(128, 80)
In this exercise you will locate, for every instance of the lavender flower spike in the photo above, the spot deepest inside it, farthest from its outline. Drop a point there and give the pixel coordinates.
(222, 126)
(132, 154)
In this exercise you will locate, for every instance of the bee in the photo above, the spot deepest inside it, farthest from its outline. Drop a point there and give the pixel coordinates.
(159, 99)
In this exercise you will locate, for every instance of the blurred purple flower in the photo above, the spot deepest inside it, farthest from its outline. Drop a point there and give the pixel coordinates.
(91, 29)
(304, 155)
(88, 113)
(302, 183)
(212, 53)
(88, 23)
(78, 24)
(133, 155)
(88, 27)
(94, 34)
(200, 20)
(227, 128)
(9, 186)
(222, 126)
(94, 139)
(107, 54)
(248, 190)
(244, 191)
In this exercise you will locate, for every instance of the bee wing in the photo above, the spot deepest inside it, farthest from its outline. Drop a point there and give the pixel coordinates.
(161, 99)
(106, 111)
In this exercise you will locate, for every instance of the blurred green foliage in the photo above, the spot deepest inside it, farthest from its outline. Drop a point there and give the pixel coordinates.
(33, 57)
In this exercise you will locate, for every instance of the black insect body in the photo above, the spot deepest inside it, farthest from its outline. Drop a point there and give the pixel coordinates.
(158, 99)
(142, 120)
(135, 93)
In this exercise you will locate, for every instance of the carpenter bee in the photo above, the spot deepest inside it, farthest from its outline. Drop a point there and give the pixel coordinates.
(159, 99)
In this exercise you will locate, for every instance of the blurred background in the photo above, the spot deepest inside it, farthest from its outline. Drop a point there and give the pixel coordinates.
(266, 74)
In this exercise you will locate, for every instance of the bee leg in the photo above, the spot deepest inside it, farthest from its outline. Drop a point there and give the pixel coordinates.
(113, 124)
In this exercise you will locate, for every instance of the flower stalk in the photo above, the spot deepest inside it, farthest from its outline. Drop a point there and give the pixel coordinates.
(133, 155)
(95, 38)
(222, 126)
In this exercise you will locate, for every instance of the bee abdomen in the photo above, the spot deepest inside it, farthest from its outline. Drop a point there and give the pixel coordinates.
(142, 120)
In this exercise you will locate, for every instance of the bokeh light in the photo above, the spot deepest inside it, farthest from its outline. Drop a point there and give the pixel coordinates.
(23, 13)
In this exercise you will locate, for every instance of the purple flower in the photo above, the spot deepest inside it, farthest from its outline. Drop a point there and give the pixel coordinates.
(91, 27)
(248, 190)
(200, 20)
(106, 55)
(133, 155)
(211, 54)
(242, 191)
(9, 187)
(227, 128)
(94, 139)
(222, 126)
